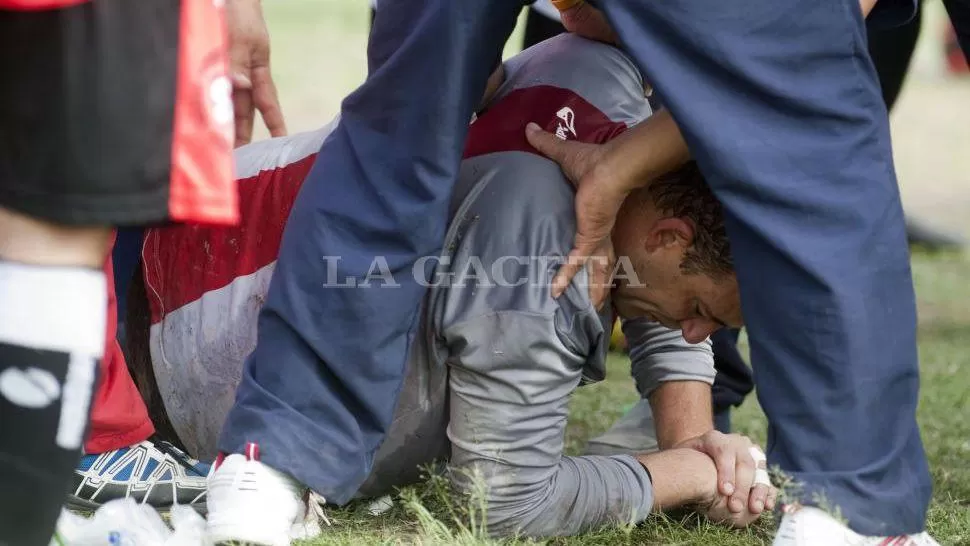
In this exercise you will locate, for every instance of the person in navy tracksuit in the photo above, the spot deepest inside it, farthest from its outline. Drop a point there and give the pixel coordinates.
(780, 106)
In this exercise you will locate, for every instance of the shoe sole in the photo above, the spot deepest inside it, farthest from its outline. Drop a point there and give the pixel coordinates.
(78, 504)
(227, 533)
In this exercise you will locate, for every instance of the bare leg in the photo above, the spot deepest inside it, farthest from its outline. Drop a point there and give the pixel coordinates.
(52, 325)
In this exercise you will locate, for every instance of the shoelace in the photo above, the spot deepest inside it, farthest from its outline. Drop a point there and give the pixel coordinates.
(175, 453)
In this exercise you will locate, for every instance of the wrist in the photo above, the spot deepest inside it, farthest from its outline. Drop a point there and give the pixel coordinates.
(681, 478)
(706, 495)
(687, 437)
(680, 442)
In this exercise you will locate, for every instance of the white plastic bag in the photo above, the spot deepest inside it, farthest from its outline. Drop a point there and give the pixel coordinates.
(127, 523)
(189, 527)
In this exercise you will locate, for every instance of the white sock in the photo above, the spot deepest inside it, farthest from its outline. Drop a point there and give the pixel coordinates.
(52, 310)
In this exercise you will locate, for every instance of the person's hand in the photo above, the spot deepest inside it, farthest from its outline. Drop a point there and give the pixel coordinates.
(604, 175)
(742, 479)
(597, 203)
(587, 21)
(716, 509)
(252, 82)
(577, 159)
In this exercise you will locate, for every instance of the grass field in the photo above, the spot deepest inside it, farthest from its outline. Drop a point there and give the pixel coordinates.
(933, 175)
(944, 415)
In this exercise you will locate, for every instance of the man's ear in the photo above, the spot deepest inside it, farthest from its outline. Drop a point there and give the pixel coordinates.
(667, 232)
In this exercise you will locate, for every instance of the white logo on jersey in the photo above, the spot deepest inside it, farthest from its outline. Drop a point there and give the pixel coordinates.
(566, 125)
(32, 388)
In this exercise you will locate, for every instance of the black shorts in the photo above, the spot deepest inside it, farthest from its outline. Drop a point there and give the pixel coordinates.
(89, 123)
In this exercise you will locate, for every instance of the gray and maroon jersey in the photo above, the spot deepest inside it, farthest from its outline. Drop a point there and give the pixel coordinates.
(495, 357)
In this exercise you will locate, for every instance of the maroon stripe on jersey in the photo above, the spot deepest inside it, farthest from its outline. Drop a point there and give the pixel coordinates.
(182, 262)
(555, 109)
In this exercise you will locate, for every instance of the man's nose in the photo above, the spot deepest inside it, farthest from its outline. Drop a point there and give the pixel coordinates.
(697, 330)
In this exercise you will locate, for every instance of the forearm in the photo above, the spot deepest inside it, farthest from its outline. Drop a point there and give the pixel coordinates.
(681, 410)
(644, 153)
(653, 147)
(577, 494)
(680, 477)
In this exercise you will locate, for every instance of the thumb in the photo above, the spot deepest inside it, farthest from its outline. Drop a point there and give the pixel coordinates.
(547, 143)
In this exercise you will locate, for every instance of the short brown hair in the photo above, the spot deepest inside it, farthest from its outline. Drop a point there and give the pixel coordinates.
(684, 193)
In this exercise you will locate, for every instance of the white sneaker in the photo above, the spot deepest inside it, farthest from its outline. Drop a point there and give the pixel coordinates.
(252, 503)
(810, 526)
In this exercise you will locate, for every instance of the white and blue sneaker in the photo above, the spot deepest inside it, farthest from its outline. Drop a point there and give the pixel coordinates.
(152, 472)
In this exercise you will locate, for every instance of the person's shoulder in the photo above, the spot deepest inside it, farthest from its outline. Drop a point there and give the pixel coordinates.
(573, 47)
(601, 75)
(569, 52)
(513, 223)
(524, 198)
(512, 227)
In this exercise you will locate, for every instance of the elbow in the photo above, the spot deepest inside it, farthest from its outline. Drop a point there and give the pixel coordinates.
(571, 496)
(510, 500)
(651, 375)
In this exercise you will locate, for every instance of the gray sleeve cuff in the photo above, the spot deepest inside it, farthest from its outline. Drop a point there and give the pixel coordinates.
(659, 354)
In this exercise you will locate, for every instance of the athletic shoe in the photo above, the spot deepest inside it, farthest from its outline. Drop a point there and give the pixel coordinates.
(810, 526)
(252, 503)
(153, 472)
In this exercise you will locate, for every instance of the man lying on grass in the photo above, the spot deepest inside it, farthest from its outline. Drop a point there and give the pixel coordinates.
(495, 358)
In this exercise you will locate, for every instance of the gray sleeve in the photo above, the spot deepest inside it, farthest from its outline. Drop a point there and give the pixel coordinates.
(659, 354)
(511, 377)
(515, 355)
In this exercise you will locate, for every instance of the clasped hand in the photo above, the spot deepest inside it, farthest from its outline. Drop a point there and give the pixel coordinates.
(743, 489)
